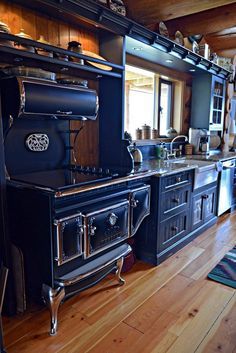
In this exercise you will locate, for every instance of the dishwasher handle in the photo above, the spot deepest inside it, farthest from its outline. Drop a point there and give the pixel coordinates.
(225, 167)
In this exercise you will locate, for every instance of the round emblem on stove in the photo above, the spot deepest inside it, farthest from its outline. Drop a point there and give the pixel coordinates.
(37, 142)
(112, 219)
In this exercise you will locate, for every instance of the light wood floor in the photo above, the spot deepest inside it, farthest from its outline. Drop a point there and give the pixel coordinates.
(170, 308)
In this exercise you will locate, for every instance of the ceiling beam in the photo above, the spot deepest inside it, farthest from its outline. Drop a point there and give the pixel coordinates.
(153, 11)
(205, 22)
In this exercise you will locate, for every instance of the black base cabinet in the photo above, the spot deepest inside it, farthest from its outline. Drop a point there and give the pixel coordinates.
(169, 223)
(177, 216)
(203, 206)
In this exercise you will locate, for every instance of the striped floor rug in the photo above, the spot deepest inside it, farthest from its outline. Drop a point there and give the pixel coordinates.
(225, 270)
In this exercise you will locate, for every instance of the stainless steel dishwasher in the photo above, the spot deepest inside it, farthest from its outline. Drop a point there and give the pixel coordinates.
(225, 187)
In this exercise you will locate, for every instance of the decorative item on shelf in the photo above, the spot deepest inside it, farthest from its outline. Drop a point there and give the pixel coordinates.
(195, 38)
(77, 48)
(162, 29)
(213, 57)
(5, 29)
(22, 34)
(96, 56)
(154, 134)
(68, 80)
(204, 50)
(43, 51)
(29, 72)
(179, 38)
(146, 132)
(60, 56)
(138, 134)
(171, 132)
(195, 48)
(226, 63)
(117, 6)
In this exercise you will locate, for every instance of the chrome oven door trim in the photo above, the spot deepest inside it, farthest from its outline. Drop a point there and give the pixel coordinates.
(58, 223)
(148, 188)
(87, 253)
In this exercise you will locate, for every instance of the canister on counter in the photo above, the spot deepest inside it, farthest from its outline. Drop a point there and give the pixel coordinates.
(146, 132)
(188, 149)
(138, 134)
(154, 134)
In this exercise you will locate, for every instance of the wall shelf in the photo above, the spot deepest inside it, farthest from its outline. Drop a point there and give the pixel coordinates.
(95, 14)
(13, 56)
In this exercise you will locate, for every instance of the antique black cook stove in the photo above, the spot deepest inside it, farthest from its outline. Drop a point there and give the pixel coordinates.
(69, 224)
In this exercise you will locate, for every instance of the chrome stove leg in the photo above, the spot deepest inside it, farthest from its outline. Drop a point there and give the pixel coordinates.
(52, 298)
(119, 265)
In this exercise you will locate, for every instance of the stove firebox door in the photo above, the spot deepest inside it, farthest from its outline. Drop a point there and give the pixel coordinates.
(106, 227)
(140, 206)
(68, 244)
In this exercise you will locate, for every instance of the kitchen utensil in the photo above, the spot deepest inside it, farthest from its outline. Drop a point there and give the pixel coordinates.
(22, 34)
(5, 29)
(163, 29)
(179, 38)
(96, 56)
(29, 72)
(136, 154)
(43, 51)
(215, 141)
(76, 48)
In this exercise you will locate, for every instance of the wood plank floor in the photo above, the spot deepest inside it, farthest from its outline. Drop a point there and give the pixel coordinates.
(169, 308)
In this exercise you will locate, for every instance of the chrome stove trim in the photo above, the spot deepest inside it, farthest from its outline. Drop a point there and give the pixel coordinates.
(148, 188)
(59, 246)
(87, 253)
(74, 280)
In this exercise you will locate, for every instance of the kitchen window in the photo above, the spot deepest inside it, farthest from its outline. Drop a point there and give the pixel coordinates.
(149, 99)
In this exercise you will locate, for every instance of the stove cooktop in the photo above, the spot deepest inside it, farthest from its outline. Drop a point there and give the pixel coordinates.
(61, 179)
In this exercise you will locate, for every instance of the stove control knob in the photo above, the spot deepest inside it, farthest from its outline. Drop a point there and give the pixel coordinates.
(94, 170)
(107, 171)
(112, 219)
(87, 170)
(100, 170)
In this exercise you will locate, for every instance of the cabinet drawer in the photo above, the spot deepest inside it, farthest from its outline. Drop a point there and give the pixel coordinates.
(174, 202)
(176, 181)
(172, 230)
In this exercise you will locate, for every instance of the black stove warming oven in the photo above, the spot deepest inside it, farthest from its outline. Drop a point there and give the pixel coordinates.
(69, 224)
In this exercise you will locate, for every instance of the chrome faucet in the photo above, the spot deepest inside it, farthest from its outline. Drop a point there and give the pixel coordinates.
(174, 139)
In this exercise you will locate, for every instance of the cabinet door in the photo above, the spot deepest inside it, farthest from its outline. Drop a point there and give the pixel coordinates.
(197, 211)
(217, 104)
(209, 202)
(172, 230)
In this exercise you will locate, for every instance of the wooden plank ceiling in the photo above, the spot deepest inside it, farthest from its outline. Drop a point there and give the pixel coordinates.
(216, 20)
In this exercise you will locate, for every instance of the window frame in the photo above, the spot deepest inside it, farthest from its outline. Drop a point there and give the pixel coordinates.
(170, 103)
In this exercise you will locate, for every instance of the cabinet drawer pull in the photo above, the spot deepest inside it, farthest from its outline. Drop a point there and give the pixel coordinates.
(176, 200)
(205, 196)
(178, 179)
(174, 228)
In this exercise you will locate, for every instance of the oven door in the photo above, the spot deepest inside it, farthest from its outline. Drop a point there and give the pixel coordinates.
(68, 232)
(140, 206)
(105, 227)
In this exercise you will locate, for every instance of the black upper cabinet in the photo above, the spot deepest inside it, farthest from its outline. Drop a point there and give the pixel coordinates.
(208, 102)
